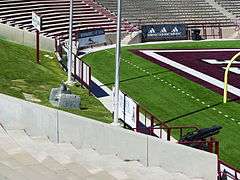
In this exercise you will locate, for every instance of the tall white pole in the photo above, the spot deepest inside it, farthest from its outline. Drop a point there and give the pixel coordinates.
(70, 43)
(117, 68)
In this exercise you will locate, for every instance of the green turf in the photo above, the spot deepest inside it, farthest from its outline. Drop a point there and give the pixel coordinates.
(168, 103)
(20, 74)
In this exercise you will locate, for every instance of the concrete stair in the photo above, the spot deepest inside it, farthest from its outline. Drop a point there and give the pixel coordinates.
(26, 158)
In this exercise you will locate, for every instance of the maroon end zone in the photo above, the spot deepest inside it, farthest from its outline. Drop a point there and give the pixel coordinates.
(205, 66)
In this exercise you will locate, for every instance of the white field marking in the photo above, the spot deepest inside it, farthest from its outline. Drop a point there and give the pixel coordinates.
(226, 115)
(193, 50)
(214, 109)
(197, 99)
(192, 97)
(178, 89)
(193, 72)
(215, 61)
(203, 102)
(235, 70)
(208, 105)
(174, 87)
(232, 119)
(183, 92)
(220, 112)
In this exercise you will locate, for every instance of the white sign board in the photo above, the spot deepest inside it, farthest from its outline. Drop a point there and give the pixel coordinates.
(36, 21)
(127, 109)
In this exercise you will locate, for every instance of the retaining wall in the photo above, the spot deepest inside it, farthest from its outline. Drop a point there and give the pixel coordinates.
(25, 37)
(61, 126)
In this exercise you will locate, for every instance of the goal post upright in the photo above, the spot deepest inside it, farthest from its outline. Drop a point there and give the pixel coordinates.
(226, 77)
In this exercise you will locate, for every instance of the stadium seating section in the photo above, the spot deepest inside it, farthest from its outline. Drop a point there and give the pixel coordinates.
(55, 15)
(232, 6)
(168, 11)
(102, 13)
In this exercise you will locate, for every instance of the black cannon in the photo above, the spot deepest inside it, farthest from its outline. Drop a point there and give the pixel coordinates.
(198, 138)
(201, 134)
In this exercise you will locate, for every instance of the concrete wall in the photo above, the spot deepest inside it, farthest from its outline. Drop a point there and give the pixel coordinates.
(25, 37)
(106, 139)
(111, 37)
(230, 33)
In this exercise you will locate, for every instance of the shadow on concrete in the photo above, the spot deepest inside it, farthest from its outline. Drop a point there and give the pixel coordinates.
(97, 90)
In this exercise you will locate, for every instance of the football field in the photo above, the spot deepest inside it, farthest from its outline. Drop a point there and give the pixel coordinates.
(181, 83)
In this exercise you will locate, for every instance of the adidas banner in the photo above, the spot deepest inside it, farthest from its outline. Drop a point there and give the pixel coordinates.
(164, 32)
(91, 37)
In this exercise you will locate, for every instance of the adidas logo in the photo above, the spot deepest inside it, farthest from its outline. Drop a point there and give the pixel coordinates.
(175, 30)
(152, 31)
(164, 30)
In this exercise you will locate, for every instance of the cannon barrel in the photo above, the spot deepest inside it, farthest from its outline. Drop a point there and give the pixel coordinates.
(201, 134)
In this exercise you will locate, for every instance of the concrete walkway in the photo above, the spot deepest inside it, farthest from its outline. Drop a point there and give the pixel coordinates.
(102, 93)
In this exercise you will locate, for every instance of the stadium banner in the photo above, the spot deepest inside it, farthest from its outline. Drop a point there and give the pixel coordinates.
(127, 109)
(91, 37)
(164, 32)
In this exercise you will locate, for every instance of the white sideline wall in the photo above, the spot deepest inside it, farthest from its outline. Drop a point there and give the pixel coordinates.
(82, 132)
(25, 37)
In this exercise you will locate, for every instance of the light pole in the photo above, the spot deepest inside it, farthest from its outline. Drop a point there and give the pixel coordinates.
(69, 62)
(117, 67)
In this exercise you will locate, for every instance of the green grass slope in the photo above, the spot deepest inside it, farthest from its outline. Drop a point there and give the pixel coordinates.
(172, 97)
(20, 74)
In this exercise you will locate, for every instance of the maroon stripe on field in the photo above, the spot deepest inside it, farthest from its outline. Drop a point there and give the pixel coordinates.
(194, 60)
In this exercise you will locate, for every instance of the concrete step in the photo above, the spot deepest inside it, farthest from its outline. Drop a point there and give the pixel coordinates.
(8, 173)
(62, 170)
(25, 142)
(80, 157)
(9, 145)
(103, 175)
(94, 163)
(78, 169)
(42, 159)
(25, 164)
(3, 133)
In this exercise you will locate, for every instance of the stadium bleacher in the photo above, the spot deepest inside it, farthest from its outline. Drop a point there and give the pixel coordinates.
(232, 6)
(168, 11)
(55, 16)
(102, 14)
